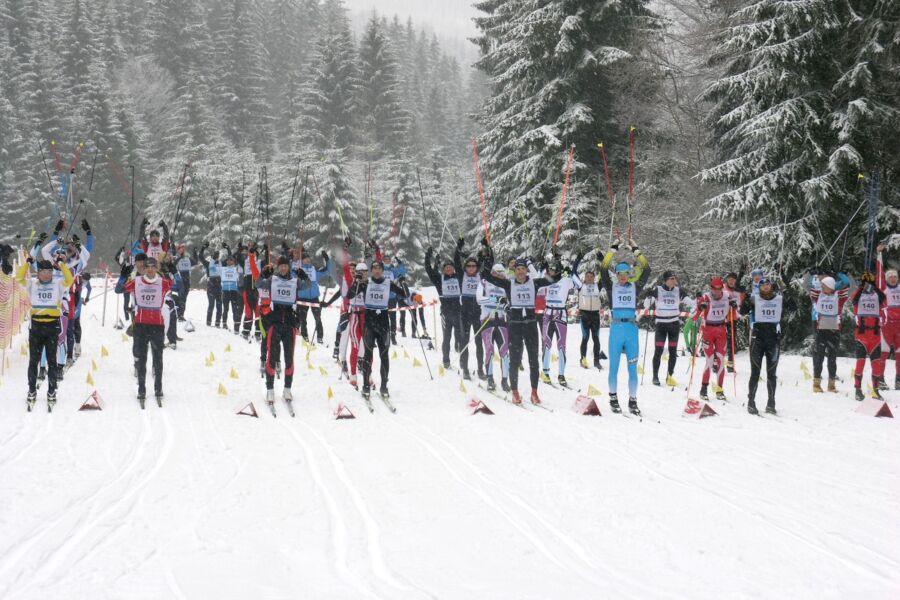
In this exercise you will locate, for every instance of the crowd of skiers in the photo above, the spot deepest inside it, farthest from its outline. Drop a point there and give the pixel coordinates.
(521, 307)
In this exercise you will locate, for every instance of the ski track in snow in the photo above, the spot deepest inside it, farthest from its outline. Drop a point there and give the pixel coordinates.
(149, 502)
(339, 529)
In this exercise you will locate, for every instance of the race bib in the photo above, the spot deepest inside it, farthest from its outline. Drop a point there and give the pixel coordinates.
(377, 295)
(470, 285)
(148, 295)
(450, 288)
(624, 296)
(522, 294)
(768, 311)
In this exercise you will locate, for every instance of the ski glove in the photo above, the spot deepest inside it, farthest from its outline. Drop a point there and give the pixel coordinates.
(42, 238)
(460, 242)
(59, 226)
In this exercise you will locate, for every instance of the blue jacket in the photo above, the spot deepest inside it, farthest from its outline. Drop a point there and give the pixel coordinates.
(308, 291)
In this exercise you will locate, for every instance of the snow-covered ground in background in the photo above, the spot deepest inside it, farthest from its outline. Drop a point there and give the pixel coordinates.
(193, 501)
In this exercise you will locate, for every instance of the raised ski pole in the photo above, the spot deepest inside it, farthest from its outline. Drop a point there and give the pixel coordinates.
(46, 168)
(131, 231)
(424, 212)
(630, 199)
(422, 346)
(644, 363)
(565, 193)
(609, 192)
(303, 204)
(287, 221)
(734, 323)
(484, 217)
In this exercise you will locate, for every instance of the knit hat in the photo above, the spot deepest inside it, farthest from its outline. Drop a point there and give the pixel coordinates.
(828, 282)
(361, 266)
(282, 260)
(44, 265)
(623, 267)
(716, 283)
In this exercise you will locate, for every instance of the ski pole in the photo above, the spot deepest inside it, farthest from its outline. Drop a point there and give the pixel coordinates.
(629, 200)
(291, 205)
(734, 356)
(424, 354)
(693, 360)
(46, 168)
(565, 193)
(424, 212)
(644, 364)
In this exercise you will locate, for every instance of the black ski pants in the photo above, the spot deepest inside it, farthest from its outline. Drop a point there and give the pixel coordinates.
(768, 348)
(152, 336)
(825, 346)
(666, 336)
(376, 333)
(523, 336)
(41, 337)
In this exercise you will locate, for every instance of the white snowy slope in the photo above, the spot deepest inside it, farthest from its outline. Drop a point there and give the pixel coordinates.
(193, 501)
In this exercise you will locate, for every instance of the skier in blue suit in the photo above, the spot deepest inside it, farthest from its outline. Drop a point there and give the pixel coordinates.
(623, 329)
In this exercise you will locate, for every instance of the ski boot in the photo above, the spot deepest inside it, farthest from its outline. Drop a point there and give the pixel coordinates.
(770, 407)
(383, 390)
(60, 372)
(597, 364)
(704, 393)
(69, 362)
(366, 391)
(504, 384)
(466, 375)
(614, 403)
(562, 381)
(270, 397)
(535, 399)
(491, 386)
(897, 383)
(729, 366)
(720, 394)
(670, 381)
(832, 385)
(817, 386)
(859, 395)
(584, 363)
(882, 385)
(393, 339)
(446, 364)
(633, 407)
(353, 382)
(51, 401)
(876, 394)
(336, 353)
(545, 378)
(159, 398)
(76, 351)
(142, 398)
(30, 400)
(751, 407)
(287, 396)
(603, 355)
(481, 374)
(516, 398)
(656, 381)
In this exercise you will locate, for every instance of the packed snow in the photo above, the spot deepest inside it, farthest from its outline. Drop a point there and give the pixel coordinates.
(195, 501)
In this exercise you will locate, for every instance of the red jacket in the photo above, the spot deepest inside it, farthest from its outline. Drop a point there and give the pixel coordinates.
(149, 299)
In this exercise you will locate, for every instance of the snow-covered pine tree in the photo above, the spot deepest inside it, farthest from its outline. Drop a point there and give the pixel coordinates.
(382, 114)
(326, 114)
(801, 112)
(553, 66)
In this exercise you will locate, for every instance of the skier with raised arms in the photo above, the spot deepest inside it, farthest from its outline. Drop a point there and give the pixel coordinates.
(668, 299)
(523, 326)
(623, 331)
(555, 321)
(470, 310)
(494, 328)
(889, 283)
(828, 297)
(449, 290)
(868, 301)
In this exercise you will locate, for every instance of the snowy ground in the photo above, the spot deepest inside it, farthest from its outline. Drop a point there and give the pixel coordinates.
(192, 501)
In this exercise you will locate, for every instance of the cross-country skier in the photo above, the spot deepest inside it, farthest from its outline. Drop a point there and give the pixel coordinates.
(715, 307)
(265, 304)
(828, 299)
(213, 285)
(768, 308)
(249, 297)
(668, 299)
(46, 294)
(589, 312)
(449, 290)
(184, 262)
(231, 295)
(375, 293)
(494, 328)
(310, 292)
(623, 330)
(889, 282)
(150, 290)
(395, 271)
(523, 327)
(555, 321)
(867, 302)
(154, 246)
(280, 322)
(470, 311)
(80, 294)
